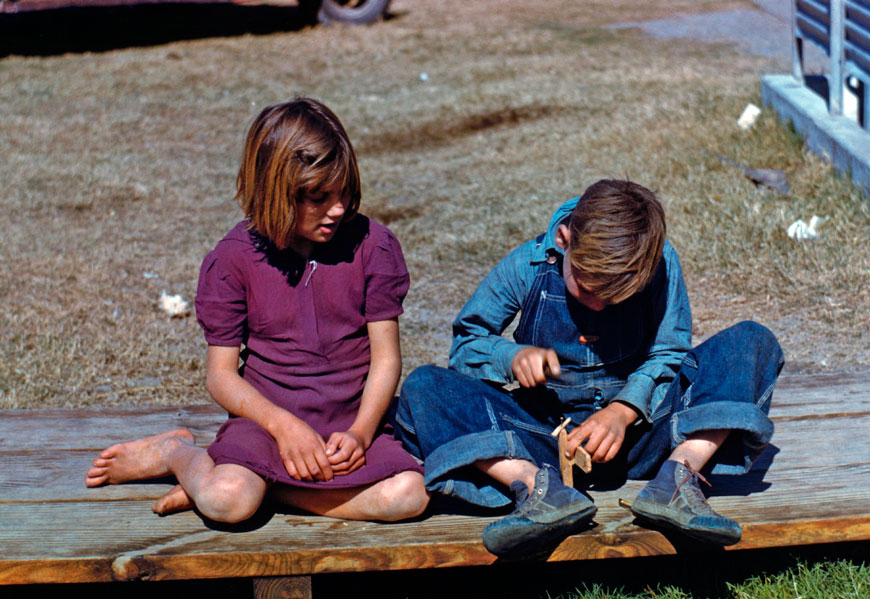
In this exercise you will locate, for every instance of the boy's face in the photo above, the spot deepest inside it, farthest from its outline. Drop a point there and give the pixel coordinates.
(573, 283)
(575, 287)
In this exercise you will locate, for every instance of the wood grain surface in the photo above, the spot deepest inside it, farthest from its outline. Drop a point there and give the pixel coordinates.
(811, 486)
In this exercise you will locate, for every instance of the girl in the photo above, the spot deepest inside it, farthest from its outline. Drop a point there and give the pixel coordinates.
(312, 291)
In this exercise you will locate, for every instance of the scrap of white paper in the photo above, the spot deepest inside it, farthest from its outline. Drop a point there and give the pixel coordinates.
(174, 305)
(749, 116)
(800, 230)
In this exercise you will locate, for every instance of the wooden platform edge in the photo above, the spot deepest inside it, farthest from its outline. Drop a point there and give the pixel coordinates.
(171, 555)
(635, 542)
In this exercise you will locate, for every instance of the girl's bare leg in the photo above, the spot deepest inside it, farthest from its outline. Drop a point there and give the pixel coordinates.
(225, 493)
(175, 500)
(136, 460)
(396, 498)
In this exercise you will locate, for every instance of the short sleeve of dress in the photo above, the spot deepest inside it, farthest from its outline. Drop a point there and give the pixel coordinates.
(387, 279)
(221, 305)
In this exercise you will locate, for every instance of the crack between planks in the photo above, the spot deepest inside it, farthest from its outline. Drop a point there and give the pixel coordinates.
(132, 566)
(819, 416)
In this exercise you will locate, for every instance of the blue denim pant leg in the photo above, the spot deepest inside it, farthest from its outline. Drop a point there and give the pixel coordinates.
(451, 421)
(724, 383)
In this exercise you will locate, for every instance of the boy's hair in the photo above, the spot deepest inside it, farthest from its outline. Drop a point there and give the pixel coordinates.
(617, 235)
(293, 150)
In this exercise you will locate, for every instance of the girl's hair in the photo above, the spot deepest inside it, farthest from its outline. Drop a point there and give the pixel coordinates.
(293, 150)
(617, 235)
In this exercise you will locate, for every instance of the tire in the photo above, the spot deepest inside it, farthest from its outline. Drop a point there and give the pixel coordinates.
(356, 12)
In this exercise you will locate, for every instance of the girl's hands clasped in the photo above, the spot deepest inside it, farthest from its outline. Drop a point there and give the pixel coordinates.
(345, 451)
(307, 457)
(303, 451)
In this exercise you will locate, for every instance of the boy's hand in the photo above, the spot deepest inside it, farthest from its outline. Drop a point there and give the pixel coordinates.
(345, 451)
(532, 365)
(603, 432)
(303, 451)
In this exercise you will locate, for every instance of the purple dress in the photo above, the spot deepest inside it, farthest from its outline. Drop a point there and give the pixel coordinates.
(303, 327)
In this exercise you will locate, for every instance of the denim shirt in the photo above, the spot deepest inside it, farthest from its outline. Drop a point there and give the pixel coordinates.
(480, 350)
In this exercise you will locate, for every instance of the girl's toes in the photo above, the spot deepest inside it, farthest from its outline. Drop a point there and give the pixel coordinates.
(109, 452)
(95, 480)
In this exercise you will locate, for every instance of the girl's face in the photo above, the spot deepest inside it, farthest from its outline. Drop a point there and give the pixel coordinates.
(318, 217)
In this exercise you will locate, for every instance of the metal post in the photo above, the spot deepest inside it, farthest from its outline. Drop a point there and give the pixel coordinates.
(797, 47)
(835, 81)
(864, 104)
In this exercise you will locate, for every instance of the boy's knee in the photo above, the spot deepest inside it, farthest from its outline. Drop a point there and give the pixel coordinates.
(759, 336)
(420, 381)
(420, 392)
(750, 328)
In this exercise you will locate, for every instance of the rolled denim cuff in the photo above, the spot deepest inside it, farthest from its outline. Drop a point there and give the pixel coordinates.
(751, 431)
(637, 392)
(466, 450)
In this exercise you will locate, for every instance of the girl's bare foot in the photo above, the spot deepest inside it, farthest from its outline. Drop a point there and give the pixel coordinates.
(176, 500)
(136, 460)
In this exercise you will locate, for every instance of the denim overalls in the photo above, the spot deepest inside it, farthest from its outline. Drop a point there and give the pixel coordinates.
(597, 350)
(452, 420)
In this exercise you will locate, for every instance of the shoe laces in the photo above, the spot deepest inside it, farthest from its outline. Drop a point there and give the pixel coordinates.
(523, 496)
(694, 476)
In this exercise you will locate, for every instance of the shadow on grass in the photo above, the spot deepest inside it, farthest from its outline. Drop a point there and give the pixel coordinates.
(100, 29)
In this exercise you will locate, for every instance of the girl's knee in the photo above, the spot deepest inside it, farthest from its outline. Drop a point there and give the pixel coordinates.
(229, 499)
(405, 496)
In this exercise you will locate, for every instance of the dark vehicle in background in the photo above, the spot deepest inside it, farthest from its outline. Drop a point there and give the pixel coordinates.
(342, 11)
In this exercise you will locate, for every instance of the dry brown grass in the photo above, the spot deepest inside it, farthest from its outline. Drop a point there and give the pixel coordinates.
(121, 163)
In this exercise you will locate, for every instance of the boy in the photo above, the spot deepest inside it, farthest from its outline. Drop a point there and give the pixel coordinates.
(604, 338)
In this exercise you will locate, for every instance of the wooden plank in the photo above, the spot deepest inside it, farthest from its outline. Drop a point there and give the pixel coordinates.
(88, 529)
(851, 383)
(97, 428)
(53, 529)
(42, 541)
(125, 529)
(827, 395)
(838, 438)
(795, 396)
(58, 475)
(54, 542)
(59, 542)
